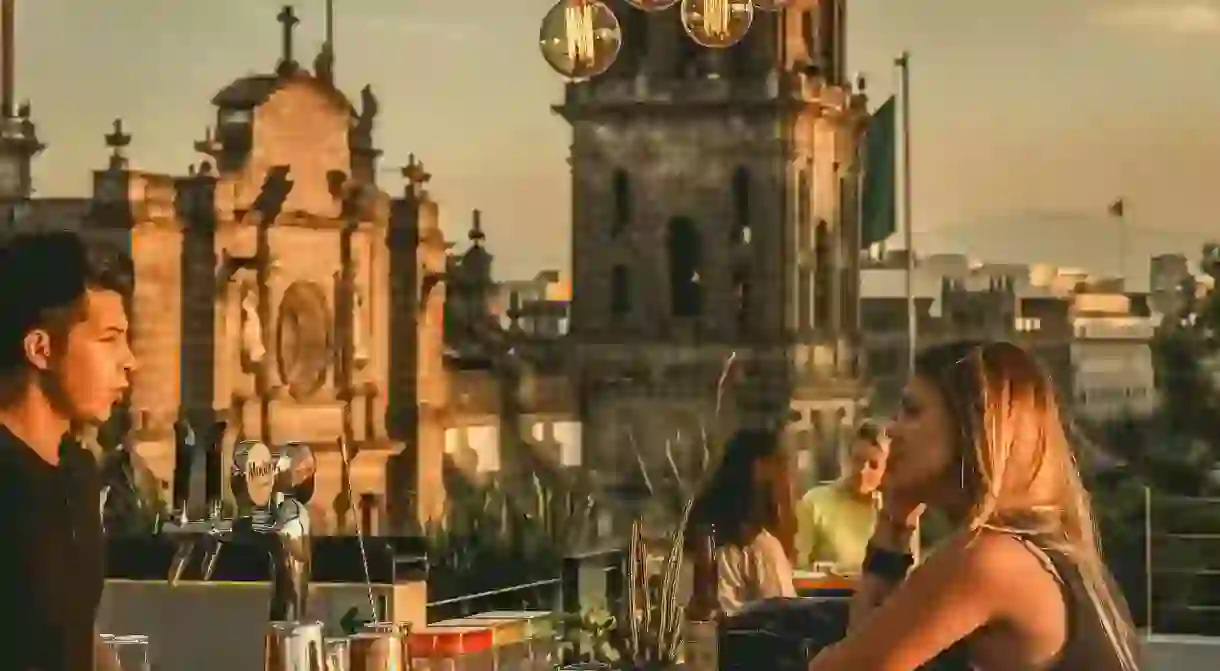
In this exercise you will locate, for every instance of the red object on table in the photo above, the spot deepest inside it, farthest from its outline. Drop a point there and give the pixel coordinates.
(806, 582)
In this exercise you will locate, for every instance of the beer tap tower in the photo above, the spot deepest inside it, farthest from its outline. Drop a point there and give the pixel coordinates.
(272, 489)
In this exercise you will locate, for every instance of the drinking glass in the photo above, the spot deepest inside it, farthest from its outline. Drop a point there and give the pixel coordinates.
(131, 651)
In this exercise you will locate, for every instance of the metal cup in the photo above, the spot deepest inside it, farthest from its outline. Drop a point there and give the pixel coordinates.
(294, 646)
(403, 629)
(338, 654)
(377, 651)
(130, 651)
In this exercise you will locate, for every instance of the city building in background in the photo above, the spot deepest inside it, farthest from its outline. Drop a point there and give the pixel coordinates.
(1092, 336)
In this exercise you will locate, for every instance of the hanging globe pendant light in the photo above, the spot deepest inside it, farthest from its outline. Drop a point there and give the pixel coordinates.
(580, 39)
(717, 24)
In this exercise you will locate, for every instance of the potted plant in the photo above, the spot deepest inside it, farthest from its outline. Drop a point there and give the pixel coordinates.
(647, 633)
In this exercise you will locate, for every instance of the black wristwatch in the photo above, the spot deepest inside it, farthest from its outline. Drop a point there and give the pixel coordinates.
(887, 564)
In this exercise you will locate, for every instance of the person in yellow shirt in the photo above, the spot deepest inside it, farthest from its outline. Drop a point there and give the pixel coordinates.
(835, 520)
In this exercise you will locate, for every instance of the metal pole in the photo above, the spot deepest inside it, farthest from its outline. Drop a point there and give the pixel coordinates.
(8, 11)
(1122, 243)
(904, 64)
(1148, 560)
(330, 24)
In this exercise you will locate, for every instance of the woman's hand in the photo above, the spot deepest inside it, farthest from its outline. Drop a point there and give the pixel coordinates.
(897, 522)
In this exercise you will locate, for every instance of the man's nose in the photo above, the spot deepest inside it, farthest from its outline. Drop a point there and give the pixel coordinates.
(129, 361)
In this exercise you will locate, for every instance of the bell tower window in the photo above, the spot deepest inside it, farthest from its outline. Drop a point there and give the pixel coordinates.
(620, 290)
(622, 200)
(685, 285)
(742, 288)
(741, 206)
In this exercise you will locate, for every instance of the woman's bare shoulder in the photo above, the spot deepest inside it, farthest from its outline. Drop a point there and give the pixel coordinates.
(1000, 564)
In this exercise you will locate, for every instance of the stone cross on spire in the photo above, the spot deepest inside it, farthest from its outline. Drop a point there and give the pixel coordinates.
(416, 176)
(288, 22)
(117, 140)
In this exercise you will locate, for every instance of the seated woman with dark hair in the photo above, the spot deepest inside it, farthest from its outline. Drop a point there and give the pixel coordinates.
(745, 515)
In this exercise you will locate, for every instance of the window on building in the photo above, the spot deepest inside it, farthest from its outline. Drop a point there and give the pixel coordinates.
(685, 284)
(809, 35)
(742, 288)
(741, 206)
(823, 275)
(885, 362)
(1028, 324)
(368, 514)
(686, 61)
(804, 191)
(804, 297)
(638, 39)
(620, 290)
(622, 200)
(826, 36)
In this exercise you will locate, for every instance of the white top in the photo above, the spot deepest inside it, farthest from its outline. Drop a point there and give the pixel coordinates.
(761, 570)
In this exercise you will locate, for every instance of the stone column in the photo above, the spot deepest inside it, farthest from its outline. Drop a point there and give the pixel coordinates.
(156, 323)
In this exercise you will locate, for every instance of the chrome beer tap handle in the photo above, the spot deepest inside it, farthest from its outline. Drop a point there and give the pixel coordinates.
(182, 555)
(273, 488)
(190, 536)
(291, 561)
(292, 555)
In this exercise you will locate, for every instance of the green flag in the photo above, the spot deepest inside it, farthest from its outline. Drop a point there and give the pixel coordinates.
(879, 202)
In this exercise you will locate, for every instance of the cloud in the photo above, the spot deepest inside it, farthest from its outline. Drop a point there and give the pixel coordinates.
(1197, 17)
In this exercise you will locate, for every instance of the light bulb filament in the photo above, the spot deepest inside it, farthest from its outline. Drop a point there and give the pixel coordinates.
(578, 27)
(716, 18)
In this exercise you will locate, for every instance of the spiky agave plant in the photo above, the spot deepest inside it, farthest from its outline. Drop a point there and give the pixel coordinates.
(649, 632)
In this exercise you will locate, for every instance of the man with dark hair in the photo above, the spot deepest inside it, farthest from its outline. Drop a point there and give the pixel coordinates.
(65, 361)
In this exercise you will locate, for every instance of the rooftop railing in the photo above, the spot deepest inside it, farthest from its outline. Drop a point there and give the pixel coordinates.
(1182, 565)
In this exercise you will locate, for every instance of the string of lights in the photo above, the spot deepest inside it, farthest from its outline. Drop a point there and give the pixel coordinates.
(581, 39)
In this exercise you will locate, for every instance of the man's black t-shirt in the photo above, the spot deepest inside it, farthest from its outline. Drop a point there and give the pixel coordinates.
(51, 565)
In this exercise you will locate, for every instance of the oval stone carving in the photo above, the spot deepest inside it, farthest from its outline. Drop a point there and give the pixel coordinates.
(303, 339)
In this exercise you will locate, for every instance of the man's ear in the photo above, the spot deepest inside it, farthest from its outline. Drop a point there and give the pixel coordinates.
(37, 347)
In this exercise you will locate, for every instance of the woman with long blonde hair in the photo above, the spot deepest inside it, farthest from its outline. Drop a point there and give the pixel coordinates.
(1020, 585)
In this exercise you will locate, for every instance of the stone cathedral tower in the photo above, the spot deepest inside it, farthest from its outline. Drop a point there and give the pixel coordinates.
(714, 217)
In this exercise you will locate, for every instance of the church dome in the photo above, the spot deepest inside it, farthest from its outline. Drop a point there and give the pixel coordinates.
(252, 91)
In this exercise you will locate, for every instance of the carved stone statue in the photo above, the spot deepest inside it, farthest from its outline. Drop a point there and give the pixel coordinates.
(368, 112)
(252, 327)
(324, 64)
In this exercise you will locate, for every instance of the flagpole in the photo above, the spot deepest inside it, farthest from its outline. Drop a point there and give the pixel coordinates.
(904, 64)
(1122, 241)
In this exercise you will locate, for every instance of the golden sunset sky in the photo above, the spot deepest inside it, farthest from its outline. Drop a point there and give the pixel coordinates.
(1029, 117)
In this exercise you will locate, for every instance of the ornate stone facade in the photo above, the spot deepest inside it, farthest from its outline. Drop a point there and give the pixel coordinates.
(281, 295)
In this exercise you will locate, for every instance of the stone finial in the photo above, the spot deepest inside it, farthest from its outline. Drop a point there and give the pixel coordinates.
(118, 140)
(208, 145)
(476, 235)
(416, 176)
